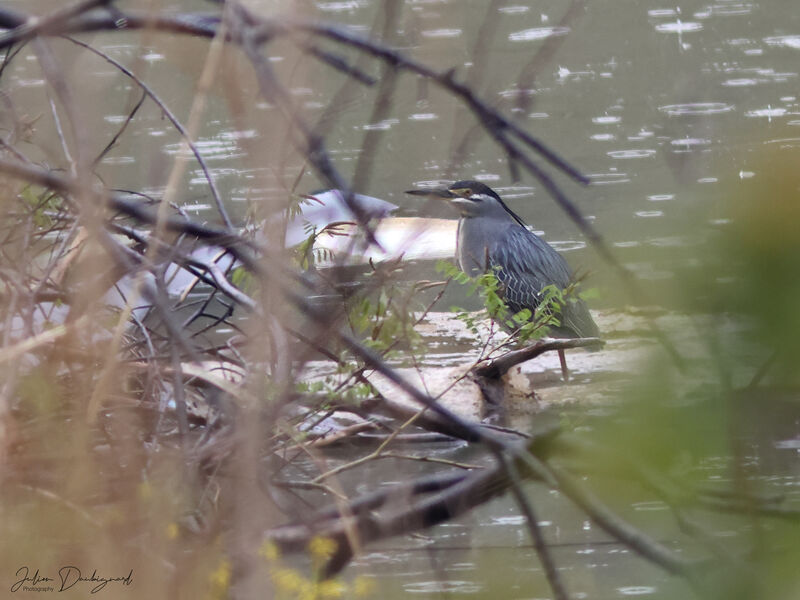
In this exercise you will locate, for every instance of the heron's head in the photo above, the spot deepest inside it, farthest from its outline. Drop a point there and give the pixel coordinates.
(472, 199)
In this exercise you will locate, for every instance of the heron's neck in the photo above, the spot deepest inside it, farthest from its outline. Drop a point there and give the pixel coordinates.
(475, 235)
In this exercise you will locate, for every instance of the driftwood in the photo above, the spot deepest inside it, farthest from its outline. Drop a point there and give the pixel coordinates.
(497, 367)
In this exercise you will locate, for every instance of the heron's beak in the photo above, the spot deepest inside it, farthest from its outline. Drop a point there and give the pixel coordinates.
(434, 192)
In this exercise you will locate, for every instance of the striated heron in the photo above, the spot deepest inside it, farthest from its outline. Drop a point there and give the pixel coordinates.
(492, 237)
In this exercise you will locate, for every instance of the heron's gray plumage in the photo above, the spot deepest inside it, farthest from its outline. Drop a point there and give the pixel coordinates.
(491, 236)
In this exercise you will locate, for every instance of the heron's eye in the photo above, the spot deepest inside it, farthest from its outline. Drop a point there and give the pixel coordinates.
(467, 193)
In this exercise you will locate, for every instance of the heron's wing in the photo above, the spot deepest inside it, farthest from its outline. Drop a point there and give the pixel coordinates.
(526, 265)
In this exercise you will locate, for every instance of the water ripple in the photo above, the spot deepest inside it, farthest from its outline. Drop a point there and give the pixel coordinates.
(633, 153)
(679, 27)
(649, 505)
(662, 12)
(423, 117)
(380, 125)
(349, 5)
(791, 444)
(508, 520)
(742, 82)
(568, 245)
(441, 33)
(728, 10)
(118, 160)
(537, 33)
(768, 112)
(514, 10)
(29, 83)
(465, 566)
(637, 590)
(688, 142)
(214, 149)
(488, 177)
(152, 57)
(786, 142)
(608, 178)
(787, 41)
(443, 587)
(696, 108)
(754, 76)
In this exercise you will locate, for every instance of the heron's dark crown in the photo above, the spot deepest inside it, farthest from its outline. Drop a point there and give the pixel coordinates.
(478, 192)
(467, 188)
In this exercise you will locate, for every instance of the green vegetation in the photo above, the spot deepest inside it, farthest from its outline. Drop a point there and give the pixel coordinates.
(524, 326)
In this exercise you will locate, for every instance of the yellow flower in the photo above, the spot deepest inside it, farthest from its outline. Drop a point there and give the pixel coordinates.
(270, 551)
(220, 578)
(331, 588)
(307, 591)
(322, 547)
(288, 580)
(363, 586)
(145, 491)
(172, 531)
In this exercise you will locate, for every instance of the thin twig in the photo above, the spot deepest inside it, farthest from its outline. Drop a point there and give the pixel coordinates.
(175, 123)
(545, 557)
